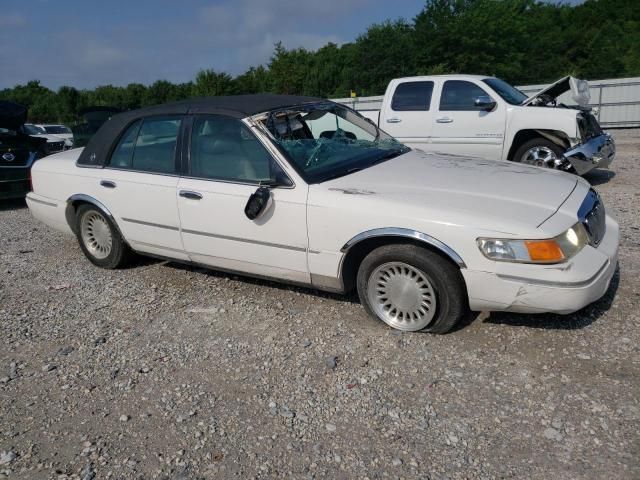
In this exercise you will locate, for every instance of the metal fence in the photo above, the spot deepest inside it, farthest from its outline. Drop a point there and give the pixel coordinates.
(616, 102)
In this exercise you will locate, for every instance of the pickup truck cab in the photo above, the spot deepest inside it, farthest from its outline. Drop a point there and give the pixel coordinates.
(482, 116)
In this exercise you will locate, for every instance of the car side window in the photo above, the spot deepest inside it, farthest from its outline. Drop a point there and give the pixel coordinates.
(412, 96)
(460, 95)
(148, 145)
(122, 156)
(223, 148)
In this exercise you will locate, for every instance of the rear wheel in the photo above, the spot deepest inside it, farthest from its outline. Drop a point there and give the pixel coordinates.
(540, 152)
(412, 288)
(99, 240)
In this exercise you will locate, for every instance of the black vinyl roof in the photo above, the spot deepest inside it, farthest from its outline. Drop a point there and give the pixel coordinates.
(236, 106)
(239, 106)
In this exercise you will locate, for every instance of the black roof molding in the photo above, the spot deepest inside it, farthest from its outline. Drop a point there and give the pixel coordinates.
(236, 106)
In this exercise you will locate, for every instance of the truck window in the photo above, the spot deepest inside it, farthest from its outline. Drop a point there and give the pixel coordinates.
(412, 96)
(459, 95)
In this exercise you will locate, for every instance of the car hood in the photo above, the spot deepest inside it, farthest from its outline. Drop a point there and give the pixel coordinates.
(12, 115)
(496, 195)
(579, 91)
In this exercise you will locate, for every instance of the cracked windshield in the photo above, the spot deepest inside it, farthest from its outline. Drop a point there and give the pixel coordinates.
(326, 141)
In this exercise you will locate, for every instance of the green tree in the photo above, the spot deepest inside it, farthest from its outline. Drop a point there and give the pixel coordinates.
(210, 83)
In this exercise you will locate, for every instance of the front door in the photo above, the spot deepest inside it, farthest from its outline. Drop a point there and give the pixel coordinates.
(461, 128)
(226, 164)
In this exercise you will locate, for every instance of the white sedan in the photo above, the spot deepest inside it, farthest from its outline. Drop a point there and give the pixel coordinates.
(306, 191)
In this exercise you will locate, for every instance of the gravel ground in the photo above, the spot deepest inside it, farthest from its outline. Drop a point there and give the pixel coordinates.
(165, 371)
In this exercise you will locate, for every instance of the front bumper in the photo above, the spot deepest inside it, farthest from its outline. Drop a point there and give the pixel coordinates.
(562, 288)
(596, 152)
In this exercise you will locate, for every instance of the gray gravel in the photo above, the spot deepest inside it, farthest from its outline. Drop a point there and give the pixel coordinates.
(164, 371)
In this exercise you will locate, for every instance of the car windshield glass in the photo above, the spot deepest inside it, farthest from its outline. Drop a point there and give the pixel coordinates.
(325, 140)
(32, 130)
(57, 129)
(508, 92)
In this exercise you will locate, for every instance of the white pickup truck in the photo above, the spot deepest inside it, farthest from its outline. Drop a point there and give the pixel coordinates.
(488, 118)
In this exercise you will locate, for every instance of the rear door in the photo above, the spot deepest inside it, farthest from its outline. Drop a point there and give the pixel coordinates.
(138, 185)
(227, 162)
(407, 114)
(459, 127)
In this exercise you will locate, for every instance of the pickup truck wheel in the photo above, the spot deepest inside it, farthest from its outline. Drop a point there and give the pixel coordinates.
(540, 152)
(99, 240)
(412, 288)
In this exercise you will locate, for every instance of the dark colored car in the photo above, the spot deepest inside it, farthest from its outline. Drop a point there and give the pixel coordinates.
(18, 151)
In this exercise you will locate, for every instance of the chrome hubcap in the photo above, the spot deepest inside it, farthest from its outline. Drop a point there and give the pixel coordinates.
(541, 157)
(96, 234)
(402, 296)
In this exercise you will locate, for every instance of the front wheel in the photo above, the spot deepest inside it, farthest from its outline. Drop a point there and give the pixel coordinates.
(411, 288)
(540, 152)
(99, 240)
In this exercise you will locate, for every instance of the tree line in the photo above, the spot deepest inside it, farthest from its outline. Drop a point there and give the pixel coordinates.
(521, 41)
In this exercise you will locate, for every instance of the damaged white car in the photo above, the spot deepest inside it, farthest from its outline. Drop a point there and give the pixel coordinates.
(306, 191)
(486, 117)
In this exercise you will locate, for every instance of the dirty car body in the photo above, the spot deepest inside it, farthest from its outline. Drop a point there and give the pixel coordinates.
(306, 191)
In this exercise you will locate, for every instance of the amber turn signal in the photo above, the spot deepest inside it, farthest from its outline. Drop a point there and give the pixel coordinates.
(544, 251)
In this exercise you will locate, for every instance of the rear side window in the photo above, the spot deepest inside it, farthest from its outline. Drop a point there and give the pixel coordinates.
(148, 145)
(412, 96)
(459, 95)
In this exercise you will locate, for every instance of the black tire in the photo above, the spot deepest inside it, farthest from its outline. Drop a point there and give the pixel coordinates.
(445, 278)
(119, 255)
(519, 155)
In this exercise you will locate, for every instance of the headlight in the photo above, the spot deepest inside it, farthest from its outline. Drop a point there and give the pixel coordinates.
(553, 250)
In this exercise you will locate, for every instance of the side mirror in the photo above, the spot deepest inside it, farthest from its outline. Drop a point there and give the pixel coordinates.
(258, 203)
(485, 102)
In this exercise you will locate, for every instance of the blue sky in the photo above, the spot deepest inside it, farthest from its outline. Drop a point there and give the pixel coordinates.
(85, 43)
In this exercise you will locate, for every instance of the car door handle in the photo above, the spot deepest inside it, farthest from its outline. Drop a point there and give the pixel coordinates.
(107, 184)
(190, 195)
(394, 120)
(444, 120)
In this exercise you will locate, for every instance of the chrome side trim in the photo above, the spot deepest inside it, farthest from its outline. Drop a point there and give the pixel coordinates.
(48, 204)
(81, 197)
(150, 224)
(159, 247)
(550, 283)
(404, 233)
(246, 240)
